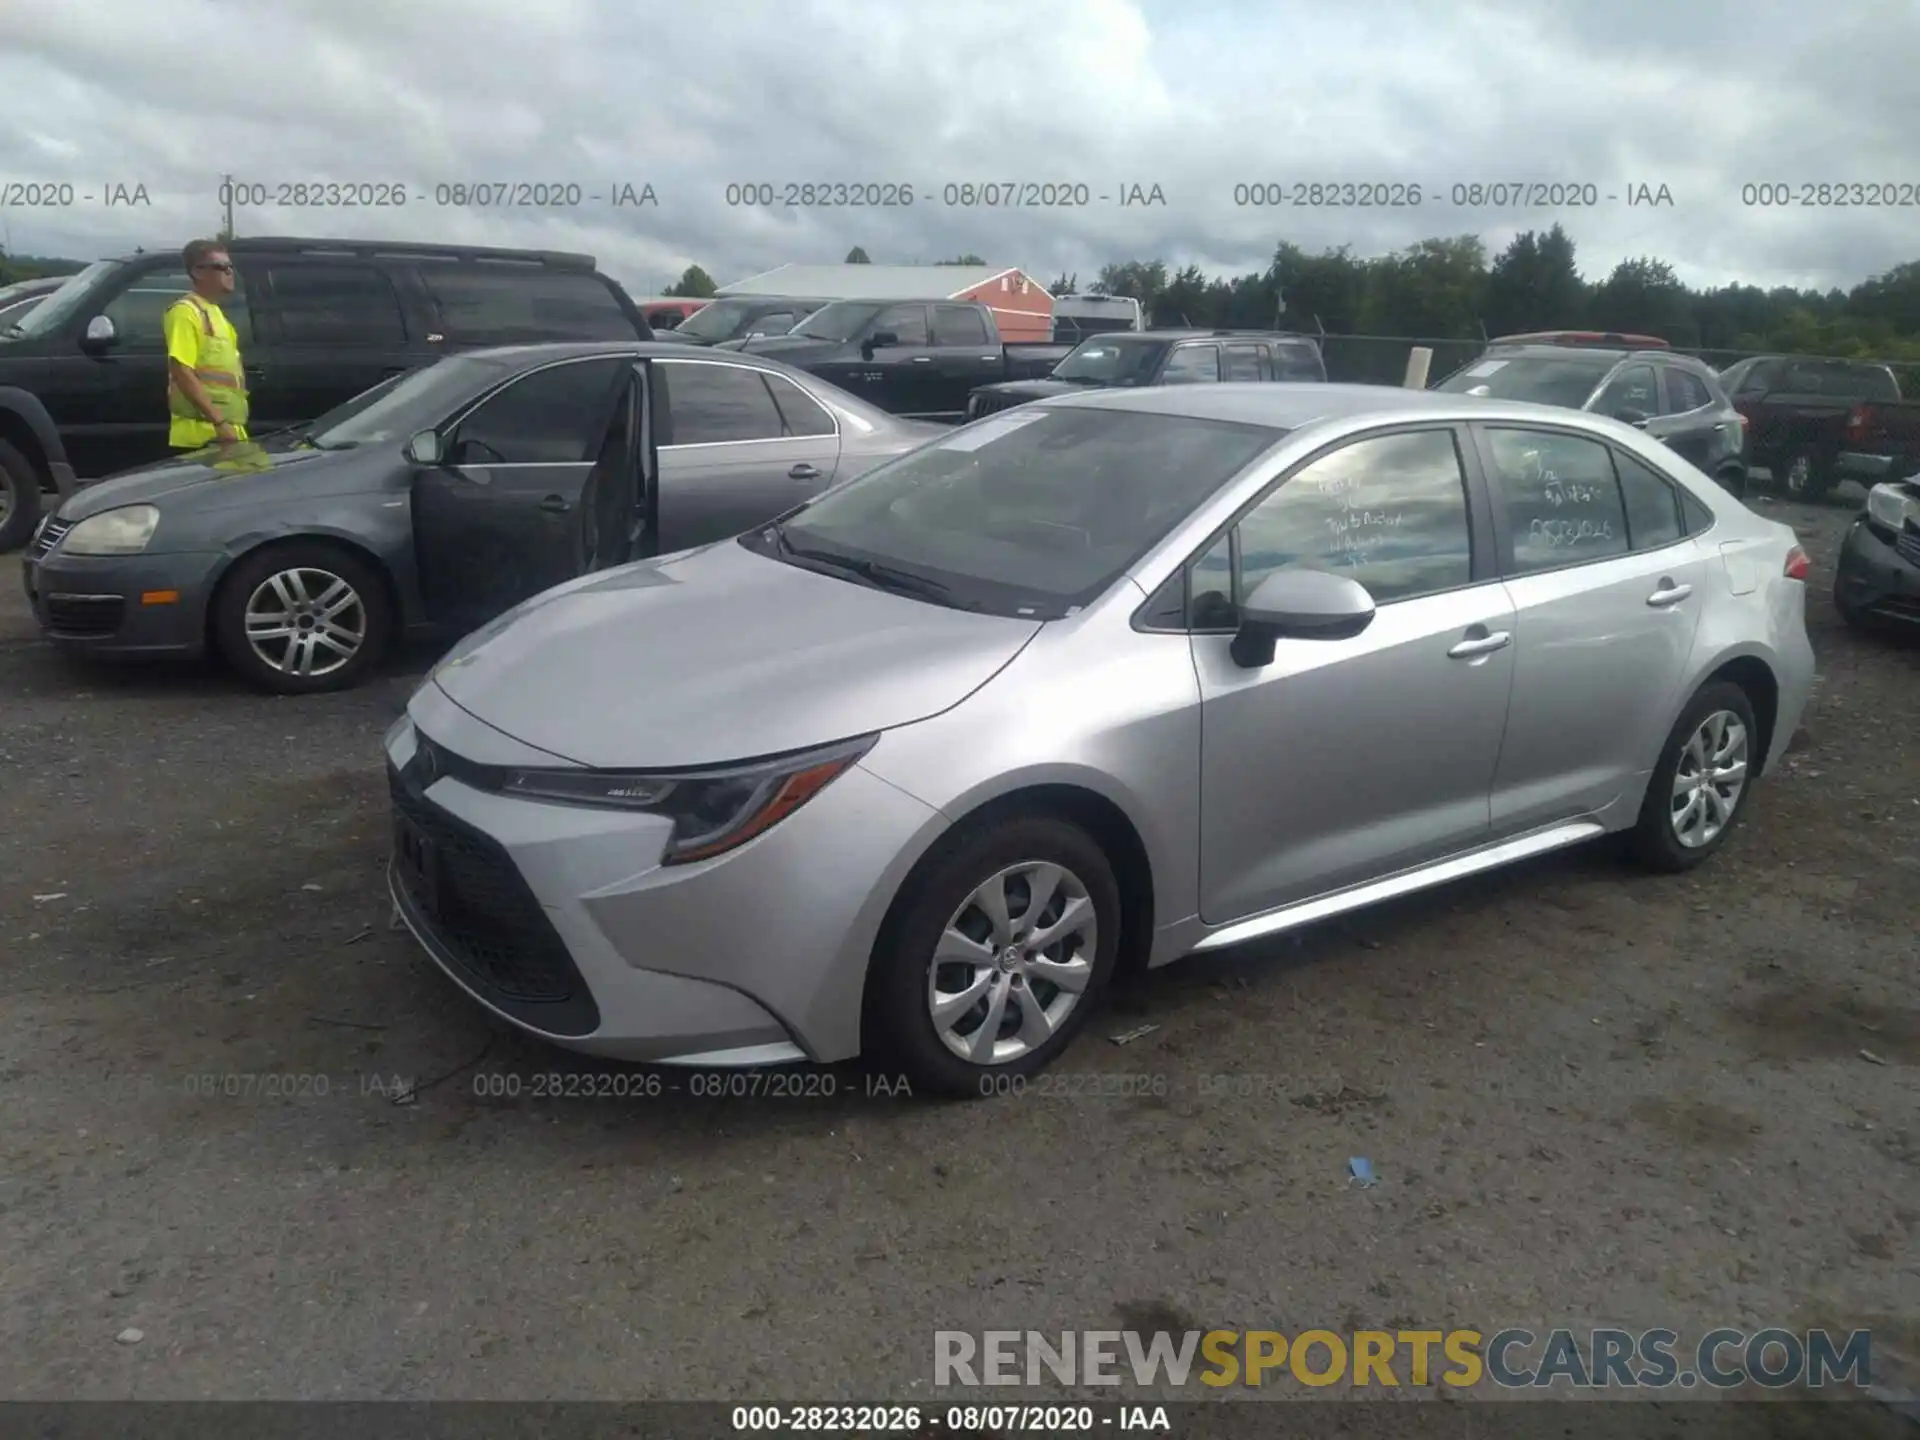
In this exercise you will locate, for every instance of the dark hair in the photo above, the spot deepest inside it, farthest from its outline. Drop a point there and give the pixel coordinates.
(196, 252)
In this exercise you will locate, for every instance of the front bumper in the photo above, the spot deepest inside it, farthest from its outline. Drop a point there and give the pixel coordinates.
(111, 605)
(560, 919)
(1879, 577)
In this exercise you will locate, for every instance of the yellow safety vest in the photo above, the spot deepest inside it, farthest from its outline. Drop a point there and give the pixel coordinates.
(219, 374)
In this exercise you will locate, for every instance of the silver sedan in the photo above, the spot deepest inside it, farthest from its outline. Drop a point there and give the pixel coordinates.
(1094, 683)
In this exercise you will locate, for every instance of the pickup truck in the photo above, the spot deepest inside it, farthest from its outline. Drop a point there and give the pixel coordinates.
(1162, 357)
(1813, 422)
(919, 358)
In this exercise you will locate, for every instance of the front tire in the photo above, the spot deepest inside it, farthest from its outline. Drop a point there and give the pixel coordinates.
(302, 618)
(994, 957)
(1700, 783)
(19, 498)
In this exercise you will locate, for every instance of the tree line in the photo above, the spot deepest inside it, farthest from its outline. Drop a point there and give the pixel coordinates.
(1448, 288)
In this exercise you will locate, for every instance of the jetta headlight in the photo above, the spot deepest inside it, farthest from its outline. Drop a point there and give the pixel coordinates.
(125, 531)
(713, 811)
(1891, 505)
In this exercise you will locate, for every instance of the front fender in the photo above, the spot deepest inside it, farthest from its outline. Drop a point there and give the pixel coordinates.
(25, 406)
(389, 545)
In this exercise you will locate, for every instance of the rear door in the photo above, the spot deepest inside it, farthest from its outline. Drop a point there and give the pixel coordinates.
(1687, 421)
(500, 518)
(1244, 362)
(1607, 592)
(966, 353)
(328, 329)
(738, 446)
(1195, 363)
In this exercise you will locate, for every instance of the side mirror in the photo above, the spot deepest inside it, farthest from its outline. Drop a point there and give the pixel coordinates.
(1632, 417)
(1299, 605)
(424, 448)
(881, 339)
(100, 333)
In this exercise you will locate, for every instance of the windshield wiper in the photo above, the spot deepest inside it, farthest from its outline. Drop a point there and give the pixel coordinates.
(873, 572)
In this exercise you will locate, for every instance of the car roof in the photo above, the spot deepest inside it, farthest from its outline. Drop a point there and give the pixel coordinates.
(1289, 405)
(537, 352)
(1196, 334)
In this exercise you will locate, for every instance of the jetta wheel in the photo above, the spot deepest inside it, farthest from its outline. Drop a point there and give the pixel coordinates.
(995, 955)
(1698, 786)
(302, 618)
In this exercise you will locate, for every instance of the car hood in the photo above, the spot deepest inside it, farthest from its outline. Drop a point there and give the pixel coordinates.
(797, 349)
(717, 655)
(197, 473)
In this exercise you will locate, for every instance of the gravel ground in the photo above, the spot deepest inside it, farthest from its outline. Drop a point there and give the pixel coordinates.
(1591, 1098)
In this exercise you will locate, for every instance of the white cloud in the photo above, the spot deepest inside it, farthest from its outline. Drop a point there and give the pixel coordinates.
(1192, 95)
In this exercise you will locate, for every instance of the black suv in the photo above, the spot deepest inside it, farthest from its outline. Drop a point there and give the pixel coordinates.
(1636, 378)
(83, 376)
(1162, 357)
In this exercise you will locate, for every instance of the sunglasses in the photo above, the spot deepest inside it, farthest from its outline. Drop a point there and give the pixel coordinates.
(225, 267)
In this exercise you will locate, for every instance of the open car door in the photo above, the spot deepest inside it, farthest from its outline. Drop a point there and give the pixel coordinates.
(621, 508)
(500, 504)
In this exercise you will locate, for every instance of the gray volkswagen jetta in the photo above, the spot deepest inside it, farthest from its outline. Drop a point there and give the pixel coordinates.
(438, 499)
(1093, 683)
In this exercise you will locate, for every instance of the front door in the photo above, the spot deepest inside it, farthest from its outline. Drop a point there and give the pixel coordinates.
(500, 518)
(740, 446)
(1346, 760)
(902, 378)
(328, 331)
(1607, 592)
(620, 509)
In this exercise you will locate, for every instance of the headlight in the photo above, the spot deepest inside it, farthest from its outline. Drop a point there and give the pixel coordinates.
(125, 531)
(713, 811)
(1891, 505)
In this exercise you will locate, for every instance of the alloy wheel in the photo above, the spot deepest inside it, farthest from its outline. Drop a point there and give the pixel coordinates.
(1012, 963)
(1799, 475)
(1709, 779)
(305, 621)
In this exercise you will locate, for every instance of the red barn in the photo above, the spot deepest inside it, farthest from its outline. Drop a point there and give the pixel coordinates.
(1021, 306)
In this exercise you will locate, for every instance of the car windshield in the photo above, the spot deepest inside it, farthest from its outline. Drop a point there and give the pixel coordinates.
(396, 409)
(1111, 362)
(54, 311)
(841, 320)
(1030, 513)
(1544, 380)
(718, 320)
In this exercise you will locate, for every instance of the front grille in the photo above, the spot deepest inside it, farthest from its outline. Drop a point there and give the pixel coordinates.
(90, 616)
(1907, 544)
(47, 536)
(487, 920)
(987, 404)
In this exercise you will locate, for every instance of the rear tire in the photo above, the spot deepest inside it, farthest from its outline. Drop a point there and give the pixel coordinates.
(302, 602)
(1691, 806)
(1733, 479)
(19, 498)
(1806, 475)
(941, 945)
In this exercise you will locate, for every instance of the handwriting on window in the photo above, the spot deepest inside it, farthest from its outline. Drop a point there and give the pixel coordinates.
(1358, 526)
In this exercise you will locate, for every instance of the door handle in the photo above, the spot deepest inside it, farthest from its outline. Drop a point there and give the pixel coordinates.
(1484, 645)
(804, 471)
(556, 505)
(1669, 594)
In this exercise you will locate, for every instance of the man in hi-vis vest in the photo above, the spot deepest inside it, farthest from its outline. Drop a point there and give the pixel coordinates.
(206, 388)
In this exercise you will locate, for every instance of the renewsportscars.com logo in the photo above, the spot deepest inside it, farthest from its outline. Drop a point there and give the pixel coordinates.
(1460, 1359)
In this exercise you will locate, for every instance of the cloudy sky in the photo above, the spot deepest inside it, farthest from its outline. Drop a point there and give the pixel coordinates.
(1193, 96)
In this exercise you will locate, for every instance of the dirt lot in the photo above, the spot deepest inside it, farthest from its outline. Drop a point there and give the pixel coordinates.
(1591, 1098)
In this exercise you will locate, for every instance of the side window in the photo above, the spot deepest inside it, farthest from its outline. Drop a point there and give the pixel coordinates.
(1633, 388)
(1390, 511)
(484, 306)
(1192, 365)
(1562, 501)
(1685, 391)
(553, 416)
(336, 305)
(1653, 506)
(959, 325)
(777, 322)
(801, 412)
(909, 322)
(137, 312)
(714, 404)
(1243, 363)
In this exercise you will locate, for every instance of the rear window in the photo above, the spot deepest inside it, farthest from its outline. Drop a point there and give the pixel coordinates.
(1840, 381)
(1565, 380)
(502, 307)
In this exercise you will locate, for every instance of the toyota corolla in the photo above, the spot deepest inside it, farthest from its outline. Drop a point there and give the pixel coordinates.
(1096, 683)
